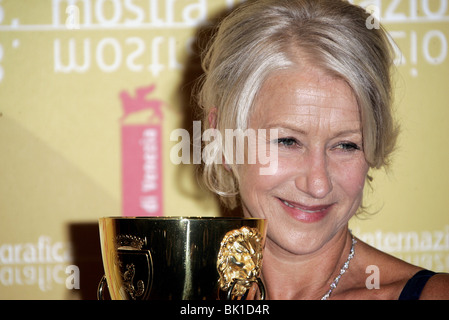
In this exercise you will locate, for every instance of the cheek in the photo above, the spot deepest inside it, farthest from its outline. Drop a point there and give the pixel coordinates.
(256, 190)
(252, 179)
(351, 178)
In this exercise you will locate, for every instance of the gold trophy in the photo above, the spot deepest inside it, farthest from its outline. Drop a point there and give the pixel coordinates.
(182, 258)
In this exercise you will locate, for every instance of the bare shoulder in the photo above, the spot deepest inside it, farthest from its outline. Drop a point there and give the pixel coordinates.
(437, 288)
(395, 273)
(393, 269)
(392, 273)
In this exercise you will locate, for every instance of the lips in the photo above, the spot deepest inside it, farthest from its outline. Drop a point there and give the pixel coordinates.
(305, 213)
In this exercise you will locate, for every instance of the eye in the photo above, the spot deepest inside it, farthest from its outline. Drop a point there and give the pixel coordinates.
(287, 142)
(348, 146)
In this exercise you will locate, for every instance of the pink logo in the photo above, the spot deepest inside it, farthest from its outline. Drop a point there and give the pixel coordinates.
(142, 156)
(139, 102)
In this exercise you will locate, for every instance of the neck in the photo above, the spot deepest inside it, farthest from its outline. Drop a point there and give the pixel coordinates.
(307, 276)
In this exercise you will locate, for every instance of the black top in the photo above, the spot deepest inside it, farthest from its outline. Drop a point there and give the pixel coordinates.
(415, 285)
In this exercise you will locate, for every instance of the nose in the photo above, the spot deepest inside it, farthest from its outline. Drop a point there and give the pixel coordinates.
(313, 178)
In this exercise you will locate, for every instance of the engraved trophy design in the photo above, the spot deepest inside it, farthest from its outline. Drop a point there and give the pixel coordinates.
(182, 258)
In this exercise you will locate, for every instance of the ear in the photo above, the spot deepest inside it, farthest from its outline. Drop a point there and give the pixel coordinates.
(213, 118)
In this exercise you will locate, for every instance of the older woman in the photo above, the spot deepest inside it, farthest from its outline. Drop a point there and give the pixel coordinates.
(317, 73)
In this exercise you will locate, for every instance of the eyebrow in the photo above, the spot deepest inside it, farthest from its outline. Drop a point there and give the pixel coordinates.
(305, 133)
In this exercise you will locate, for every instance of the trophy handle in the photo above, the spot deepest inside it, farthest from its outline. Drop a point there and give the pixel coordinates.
(259, 284)
(100, 289)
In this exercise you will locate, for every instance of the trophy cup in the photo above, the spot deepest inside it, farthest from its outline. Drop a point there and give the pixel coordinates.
(182, 258)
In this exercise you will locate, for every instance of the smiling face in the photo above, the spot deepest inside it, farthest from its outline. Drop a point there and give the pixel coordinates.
(318, 185)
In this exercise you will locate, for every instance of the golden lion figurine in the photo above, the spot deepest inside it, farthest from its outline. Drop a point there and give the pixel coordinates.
(240, 260)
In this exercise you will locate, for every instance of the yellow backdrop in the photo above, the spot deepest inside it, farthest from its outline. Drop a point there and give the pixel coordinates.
(63, 66)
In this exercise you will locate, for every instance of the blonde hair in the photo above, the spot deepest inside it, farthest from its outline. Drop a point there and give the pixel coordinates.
(264, 36)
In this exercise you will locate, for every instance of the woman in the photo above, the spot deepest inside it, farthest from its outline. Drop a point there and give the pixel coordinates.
(313, 71)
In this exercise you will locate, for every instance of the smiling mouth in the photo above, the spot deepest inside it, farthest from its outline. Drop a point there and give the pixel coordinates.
(306, 214)
(306, 209)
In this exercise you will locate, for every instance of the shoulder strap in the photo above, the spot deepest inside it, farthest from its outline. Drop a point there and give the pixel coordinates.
(414, 286)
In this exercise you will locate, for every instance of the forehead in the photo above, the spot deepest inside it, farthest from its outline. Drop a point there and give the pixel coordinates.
(295, 93)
